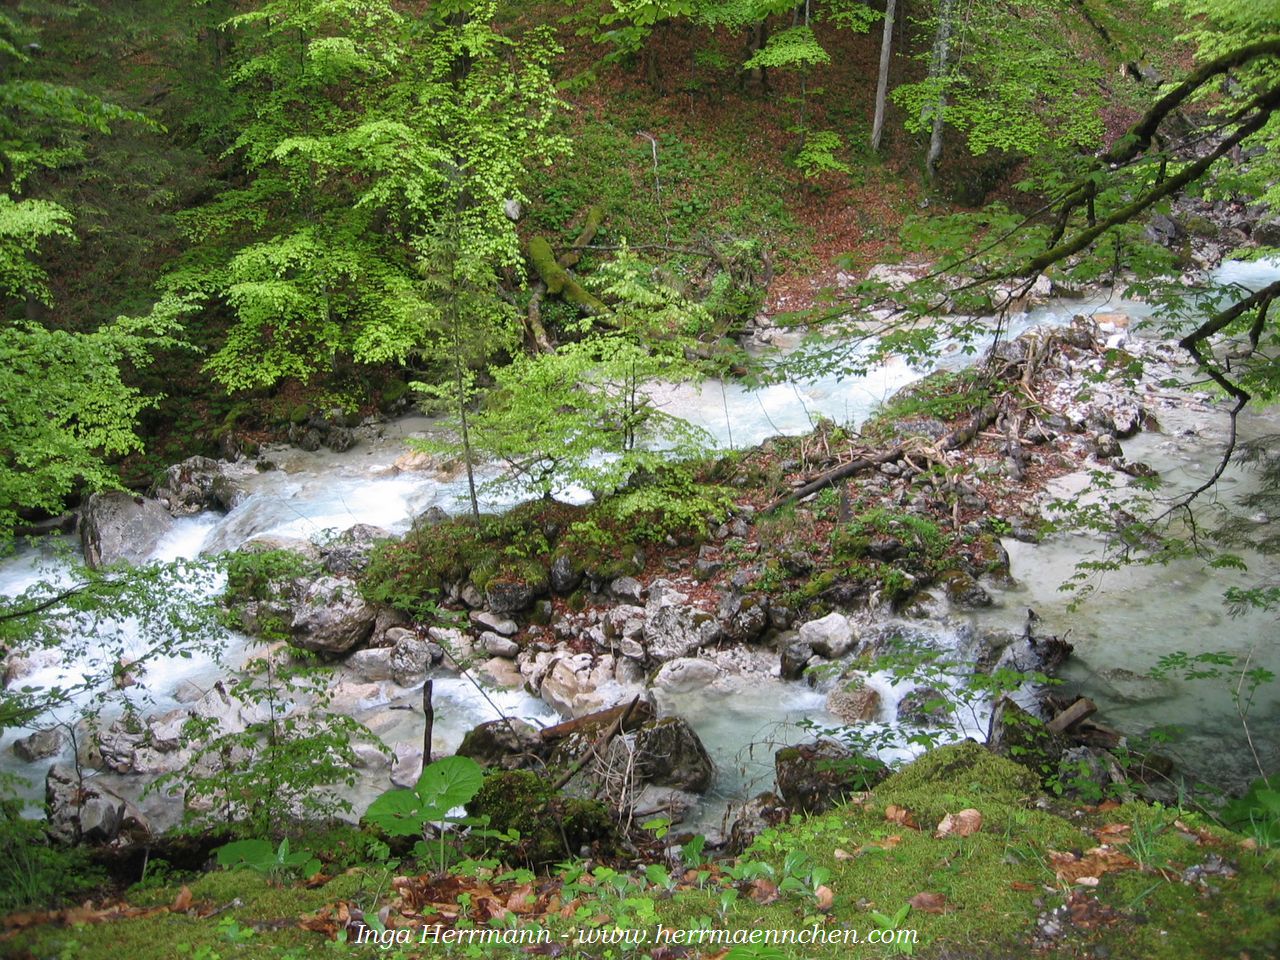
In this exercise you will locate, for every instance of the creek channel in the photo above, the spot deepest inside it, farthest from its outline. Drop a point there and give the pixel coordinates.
(1137, 614)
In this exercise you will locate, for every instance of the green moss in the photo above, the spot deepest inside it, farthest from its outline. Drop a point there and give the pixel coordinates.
(552, 827)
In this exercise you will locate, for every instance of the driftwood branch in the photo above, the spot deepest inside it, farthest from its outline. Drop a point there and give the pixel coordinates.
(595, 748)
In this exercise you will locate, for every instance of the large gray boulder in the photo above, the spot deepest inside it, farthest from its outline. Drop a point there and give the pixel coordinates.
(672, 627)
(117, 526)
(833, 636)
(41, 744)
(83, 810)
(331, 617)
(348, 553)
(685, 674)
(664, 753)
(506, 744)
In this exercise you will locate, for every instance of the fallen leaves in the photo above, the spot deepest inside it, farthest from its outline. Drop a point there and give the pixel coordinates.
(900, 815)
(962, 824)
(763, 891)
(1076, 869)
(927, 902)
(107, 912)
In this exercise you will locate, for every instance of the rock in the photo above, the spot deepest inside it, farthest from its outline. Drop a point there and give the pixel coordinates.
(832, 636)
(964, 591)
(751, 819)
(665, 753)
(331, 617)
(373, 664)
(491, 621)
(568, 687)
(81, 810)
(348, 554)
(858, 705)
(565, 574)
(1023, 738)
(1105, 447)
(411, 658)
(924, 706)
(18, 667)
(744, 619)
(624, 621)
(814, 777)
(671, 627)
(627, 589)
(1163, 229)
(386, 620)
(117, 526)
(188, 692)
(706, 569)
(340, 439)
(41, 744)
(503, 672)
(187, 487)
(511, 594)
(498, 646)
(406, 765)
(506, 744)
(512, 210)
(685, 674)
(472, 597)
(795, 656)
(654, 801)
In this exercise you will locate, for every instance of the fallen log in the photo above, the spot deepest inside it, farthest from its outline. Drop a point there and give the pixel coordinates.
(642, 713)
(1082, 709)
(595, 749)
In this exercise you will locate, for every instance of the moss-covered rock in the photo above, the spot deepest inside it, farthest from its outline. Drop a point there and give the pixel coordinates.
(552, 827)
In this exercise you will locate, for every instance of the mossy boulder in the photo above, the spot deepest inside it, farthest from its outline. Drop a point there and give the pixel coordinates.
(552, 827)
(814, 777)
(968, 767)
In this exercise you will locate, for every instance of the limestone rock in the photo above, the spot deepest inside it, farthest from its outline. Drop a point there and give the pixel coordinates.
(665, 753)
(673, 628)
(331, 617)
(41, 744)
(116, 526)
(685, 674)
(498, 645)
(832, 636)
(81, 810)
(348, 553)
(858, 705)
(494, 623)
(373, 664)
(506, 744)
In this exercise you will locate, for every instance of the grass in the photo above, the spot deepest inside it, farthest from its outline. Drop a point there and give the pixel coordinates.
(856, 868)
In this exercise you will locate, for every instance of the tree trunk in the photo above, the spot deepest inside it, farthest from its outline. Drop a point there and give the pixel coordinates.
(882, 84)
(938, 71)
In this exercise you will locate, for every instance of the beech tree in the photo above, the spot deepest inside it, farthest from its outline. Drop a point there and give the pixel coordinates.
(359, 133)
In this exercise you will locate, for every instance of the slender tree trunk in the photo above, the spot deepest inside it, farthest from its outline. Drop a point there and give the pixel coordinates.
(938, 71)
(882, 84)
(460, 387)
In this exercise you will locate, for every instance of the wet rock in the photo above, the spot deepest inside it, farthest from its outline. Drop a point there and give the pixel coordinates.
(406, 765)
(503, 672)
(964, 591)
(39, 745)
(795, 656)
(18, 667)
(665, 753)
(685, 674)
(386, 620)
(187, 487)
(411, 658)
(505, 744)
(780, 617)
(373, 664)
(81, 810)
(1105, 447)
(832, 636)
(923, 706)
(117, 526)
(498, 646)
(486, 620)
(340, 439)
(857, 705)
(348, 554)
(673, 628)
(814, 777)
(654, 801)
(331, 617)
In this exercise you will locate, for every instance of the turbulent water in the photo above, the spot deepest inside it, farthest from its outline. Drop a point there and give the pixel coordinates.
(1136, 616)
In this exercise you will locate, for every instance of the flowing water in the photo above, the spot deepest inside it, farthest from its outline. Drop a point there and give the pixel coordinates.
(1137, 615)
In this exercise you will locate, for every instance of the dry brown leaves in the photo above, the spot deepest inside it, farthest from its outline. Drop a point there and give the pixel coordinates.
(962, 824)
(106, 912)
(927, 902)
(1086, 870)
(901, 816)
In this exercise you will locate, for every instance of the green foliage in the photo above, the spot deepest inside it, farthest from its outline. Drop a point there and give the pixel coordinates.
(444, 784)
(817, 154)
(273, 862)
(1256, 814)
(795, 47)
(366, 136)
(33, 871)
